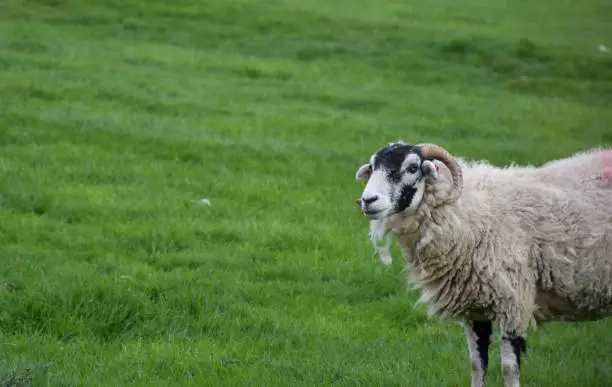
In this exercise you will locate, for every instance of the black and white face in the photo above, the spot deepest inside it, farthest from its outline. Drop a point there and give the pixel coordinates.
(395, 178)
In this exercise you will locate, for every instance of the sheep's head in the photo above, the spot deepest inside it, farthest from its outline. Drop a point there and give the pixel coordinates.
(396, 175)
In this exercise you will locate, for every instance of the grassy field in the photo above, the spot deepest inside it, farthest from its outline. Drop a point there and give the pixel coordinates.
(118, 117)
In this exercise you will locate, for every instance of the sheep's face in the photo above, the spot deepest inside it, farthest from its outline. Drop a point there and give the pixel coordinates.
(395, 180)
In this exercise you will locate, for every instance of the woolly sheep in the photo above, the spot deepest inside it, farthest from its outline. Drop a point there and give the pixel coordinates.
(513, 246)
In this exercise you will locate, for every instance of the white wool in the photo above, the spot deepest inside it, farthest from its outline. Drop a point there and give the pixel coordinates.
(379, 230)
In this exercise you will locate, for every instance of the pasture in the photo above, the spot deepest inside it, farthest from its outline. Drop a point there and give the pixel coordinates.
(117, 118)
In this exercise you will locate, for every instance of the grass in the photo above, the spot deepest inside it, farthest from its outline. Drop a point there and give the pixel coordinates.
(118, 117)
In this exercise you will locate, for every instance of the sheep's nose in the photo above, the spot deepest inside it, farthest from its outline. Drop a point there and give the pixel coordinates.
(370, 200)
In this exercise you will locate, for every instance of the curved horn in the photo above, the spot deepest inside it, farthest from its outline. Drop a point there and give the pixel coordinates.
(433, 151)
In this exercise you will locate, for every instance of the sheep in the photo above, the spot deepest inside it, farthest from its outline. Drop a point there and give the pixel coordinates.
(508, 247)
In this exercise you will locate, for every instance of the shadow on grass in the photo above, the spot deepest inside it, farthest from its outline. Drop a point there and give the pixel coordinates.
(21, 375)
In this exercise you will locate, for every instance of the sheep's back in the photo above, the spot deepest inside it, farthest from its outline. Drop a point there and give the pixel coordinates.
(573, 239)
(564, 211)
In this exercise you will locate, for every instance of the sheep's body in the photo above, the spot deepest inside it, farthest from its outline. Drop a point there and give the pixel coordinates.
(521, 245)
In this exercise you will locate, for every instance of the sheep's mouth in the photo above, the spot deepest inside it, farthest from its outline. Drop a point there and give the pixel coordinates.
(373, 214)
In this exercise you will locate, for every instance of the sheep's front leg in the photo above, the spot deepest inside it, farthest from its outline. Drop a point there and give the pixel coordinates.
(512, 346)
(479, 337)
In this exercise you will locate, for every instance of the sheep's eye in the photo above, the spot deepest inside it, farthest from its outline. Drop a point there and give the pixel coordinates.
(412, 168)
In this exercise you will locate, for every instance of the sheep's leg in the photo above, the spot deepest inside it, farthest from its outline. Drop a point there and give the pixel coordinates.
(511, 347)
(479, 337)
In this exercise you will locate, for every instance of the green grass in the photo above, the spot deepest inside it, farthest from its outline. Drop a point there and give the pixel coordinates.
(118, 117)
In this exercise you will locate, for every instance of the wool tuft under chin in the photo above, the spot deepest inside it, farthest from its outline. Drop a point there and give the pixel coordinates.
(379, 232)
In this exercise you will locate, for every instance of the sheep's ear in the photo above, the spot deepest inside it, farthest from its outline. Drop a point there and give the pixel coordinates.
(363, 173)
(430, 169)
